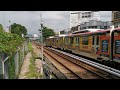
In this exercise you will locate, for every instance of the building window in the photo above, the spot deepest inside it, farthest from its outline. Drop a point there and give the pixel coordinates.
(116, 15)
(105, 27)
(95, 26)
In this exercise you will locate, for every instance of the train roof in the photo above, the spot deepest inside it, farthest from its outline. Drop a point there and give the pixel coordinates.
(117, 29)
(89, 33)
(85, 30)
(52, 37)
(62, 35)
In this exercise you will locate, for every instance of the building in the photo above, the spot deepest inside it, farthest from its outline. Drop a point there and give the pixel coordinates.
(116, 18)
(7, 29)
(76, 28)
(74, 18)
(65, 31)
(94, 24)
(35, 36)
(79, 17)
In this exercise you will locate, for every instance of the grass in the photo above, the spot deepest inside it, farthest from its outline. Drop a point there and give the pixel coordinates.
(32, 74)
(30, 49)
(32, 70)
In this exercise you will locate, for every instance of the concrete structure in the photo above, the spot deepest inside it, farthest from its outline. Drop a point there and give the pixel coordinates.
(35, 35)
(65, 31)
(7, 29)
(116, 18)
(94, 24)
(79, 17)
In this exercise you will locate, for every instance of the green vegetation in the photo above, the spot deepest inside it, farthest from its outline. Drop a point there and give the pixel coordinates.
(47, 32)
(18, 29)
(1, 28)
(30, 49)
(11, 68)
(32, 70)
(9, 42)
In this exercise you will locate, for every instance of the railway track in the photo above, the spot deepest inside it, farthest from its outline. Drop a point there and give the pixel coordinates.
(79, 67)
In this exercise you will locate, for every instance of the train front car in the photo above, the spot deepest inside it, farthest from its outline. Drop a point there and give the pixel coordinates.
(52, 41)
(61, 42)
(47, 42)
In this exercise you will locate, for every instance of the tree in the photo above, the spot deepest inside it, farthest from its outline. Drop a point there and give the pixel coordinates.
(18, 29)
(47, 32)
(1, 27)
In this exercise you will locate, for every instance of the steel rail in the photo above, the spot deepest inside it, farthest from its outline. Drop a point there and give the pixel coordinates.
(94, 64)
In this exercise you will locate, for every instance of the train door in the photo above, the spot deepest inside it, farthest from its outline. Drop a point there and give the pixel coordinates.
(57, 43)
(95, 44)
(105, 46)
(71, 42)
(63, 44)
(116, 47)
(77, 43)
(66, 42)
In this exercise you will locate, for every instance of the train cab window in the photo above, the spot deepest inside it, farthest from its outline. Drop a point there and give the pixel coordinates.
(97, 42)
(93, 40)
(85, 40)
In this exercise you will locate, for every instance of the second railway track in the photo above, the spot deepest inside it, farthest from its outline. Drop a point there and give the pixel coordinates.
(75, 67)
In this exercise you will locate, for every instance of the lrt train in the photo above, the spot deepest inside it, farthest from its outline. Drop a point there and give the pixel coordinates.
(100, 45)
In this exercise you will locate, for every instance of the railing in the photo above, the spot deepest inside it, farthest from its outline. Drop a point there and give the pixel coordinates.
(10, 66)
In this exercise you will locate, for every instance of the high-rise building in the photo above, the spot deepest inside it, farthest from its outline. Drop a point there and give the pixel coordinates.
(116, 18)
(79, 17)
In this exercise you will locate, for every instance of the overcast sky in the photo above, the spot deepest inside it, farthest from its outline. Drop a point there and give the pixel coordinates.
(57, 20)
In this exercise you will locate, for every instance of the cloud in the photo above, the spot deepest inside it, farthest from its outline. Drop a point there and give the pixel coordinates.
(57, 20)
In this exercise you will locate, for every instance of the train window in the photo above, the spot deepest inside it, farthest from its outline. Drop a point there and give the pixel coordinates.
(85, 40)
(97, 42)
(93, 40)
(66, 39)
(71, 40)
(78, 40)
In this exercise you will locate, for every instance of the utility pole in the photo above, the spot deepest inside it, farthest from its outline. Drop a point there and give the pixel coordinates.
(41, 43)
(111, 42)
(10, 26)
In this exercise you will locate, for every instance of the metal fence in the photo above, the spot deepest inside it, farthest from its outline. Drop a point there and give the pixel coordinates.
(10, 65)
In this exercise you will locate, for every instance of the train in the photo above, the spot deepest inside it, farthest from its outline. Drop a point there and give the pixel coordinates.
(100, 45)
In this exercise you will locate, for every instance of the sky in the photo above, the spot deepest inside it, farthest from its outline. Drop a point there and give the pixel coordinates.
(56, 20)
